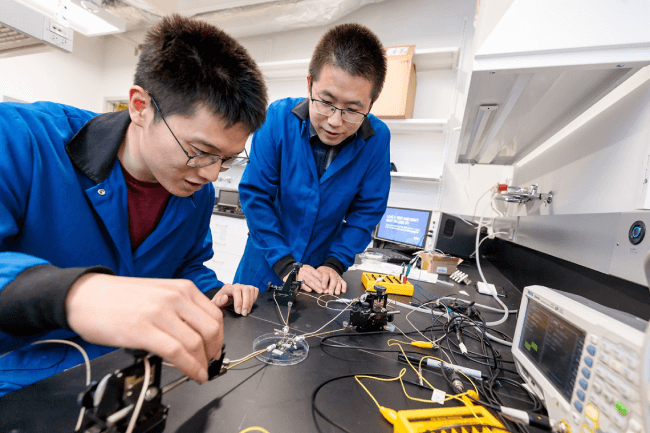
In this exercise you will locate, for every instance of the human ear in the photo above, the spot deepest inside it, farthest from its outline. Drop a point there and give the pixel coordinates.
(138, 102)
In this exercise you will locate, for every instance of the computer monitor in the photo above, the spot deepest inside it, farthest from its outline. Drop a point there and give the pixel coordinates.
(228, 198)
(404, 226)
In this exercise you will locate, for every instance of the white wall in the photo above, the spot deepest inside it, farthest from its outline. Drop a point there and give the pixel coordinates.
(464, 185)
(425, 23)
(70, 78)
(104, 67)
(600, 166)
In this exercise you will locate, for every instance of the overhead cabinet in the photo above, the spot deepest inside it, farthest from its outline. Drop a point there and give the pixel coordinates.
(542, 66)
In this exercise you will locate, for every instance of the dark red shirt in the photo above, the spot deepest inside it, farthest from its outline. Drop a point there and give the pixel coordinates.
(146, 203)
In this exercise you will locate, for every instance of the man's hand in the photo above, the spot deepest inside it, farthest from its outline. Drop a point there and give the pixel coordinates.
(335, 285)
(243, 297)
(170, 318)
(313, 280)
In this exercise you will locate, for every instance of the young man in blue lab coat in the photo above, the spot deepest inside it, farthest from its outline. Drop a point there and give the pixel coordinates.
(104, 220)
(319, 175)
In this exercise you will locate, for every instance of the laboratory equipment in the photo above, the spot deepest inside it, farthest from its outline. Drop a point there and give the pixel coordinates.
(404, 226)
(286, 293)
(281, 349)
(582, 359)
(369, 312)
(130, 399)
(390, 283)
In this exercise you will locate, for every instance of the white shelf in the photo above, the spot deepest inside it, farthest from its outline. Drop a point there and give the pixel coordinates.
(414, 176)
(406, 126)
(425, 60)
(432, 59)
(286, 69)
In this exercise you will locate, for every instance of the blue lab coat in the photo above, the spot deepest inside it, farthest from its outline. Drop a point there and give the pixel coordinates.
(289, 210)
(63, 202)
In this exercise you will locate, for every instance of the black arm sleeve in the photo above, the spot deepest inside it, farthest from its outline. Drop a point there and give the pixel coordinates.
(35, 301)
(335, 264)
(283, 266)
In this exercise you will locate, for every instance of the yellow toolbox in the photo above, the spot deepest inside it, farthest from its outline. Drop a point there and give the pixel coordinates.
(464, 419)
(391, 282)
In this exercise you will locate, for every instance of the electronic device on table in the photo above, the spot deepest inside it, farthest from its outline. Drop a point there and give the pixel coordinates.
(403, 226)
(287, 292)
(228, 202)
(369, 312)
(391, 256)
(457, 237)
(584, 361)
(130, 399)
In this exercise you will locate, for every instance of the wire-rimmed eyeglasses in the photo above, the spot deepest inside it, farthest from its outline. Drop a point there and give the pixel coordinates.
(326, 109)
(203, 159)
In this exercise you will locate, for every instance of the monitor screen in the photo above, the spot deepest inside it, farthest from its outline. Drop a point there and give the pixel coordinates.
(553, 345)
(228, 198)
(404, 226)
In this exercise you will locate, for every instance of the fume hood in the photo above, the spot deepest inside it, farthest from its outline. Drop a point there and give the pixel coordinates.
(543, 65)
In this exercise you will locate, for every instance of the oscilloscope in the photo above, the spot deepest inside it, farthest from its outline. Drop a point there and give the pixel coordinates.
(583, 360)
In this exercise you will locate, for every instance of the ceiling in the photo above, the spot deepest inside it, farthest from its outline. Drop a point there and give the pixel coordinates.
(238, 17)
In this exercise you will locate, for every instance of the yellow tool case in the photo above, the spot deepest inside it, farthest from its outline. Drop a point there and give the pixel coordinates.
(464, 419)
(391, 282)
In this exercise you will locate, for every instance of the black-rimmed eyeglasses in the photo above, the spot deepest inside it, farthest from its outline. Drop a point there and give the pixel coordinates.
(326, 109)
(203, 159)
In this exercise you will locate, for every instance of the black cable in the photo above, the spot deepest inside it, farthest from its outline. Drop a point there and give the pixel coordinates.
(537, 404)
(495, 399)
(316, 410)
(369, 349)
(485, 343)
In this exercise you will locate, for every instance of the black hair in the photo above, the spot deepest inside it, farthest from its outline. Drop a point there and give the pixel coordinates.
(186, 64)
(354, 49)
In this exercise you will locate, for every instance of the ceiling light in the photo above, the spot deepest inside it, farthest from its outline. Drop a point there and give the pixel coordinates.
(83, 16)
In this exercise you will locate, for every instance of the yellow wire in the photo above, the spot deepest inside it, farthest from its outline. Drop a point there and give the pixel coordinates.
(260, 429)
(456, 396)
(247, 358)
(323, 333)
(399, 377)
(286, 323)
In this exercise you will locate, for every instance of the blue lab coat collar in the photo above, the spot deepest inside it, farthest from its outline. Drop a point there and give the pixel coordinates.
(94, 147)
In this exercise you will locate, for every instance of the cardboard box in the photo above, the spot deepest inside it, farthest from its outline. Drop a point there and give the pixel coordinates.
(439, 264)
(398, 95)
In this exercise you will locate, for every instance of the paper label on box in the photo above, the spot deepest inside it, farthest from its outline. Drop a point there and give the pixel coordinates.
(438, 396)
(441, 270)
(397, 51)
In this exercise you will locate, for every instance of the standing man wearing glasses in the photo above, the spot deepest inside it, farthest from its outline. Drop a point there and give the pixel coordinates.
(319, 175)
(104, 220)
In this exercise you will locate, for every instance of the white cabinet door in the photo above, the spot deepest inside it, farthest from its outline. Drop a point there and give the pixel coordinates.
(229, 237)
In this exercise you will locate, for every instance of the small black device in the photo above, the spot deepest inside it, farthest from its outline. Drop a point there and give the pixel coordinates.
(369, 313)
(457, 237)
(287, 292)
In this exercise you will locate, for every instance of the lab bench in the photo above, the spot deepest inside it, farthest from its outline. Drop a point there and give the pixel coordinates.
(277, 398)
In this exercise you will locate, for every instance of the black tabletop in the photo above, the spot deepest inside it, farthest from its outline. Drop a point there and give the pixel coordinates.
(278, 398)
